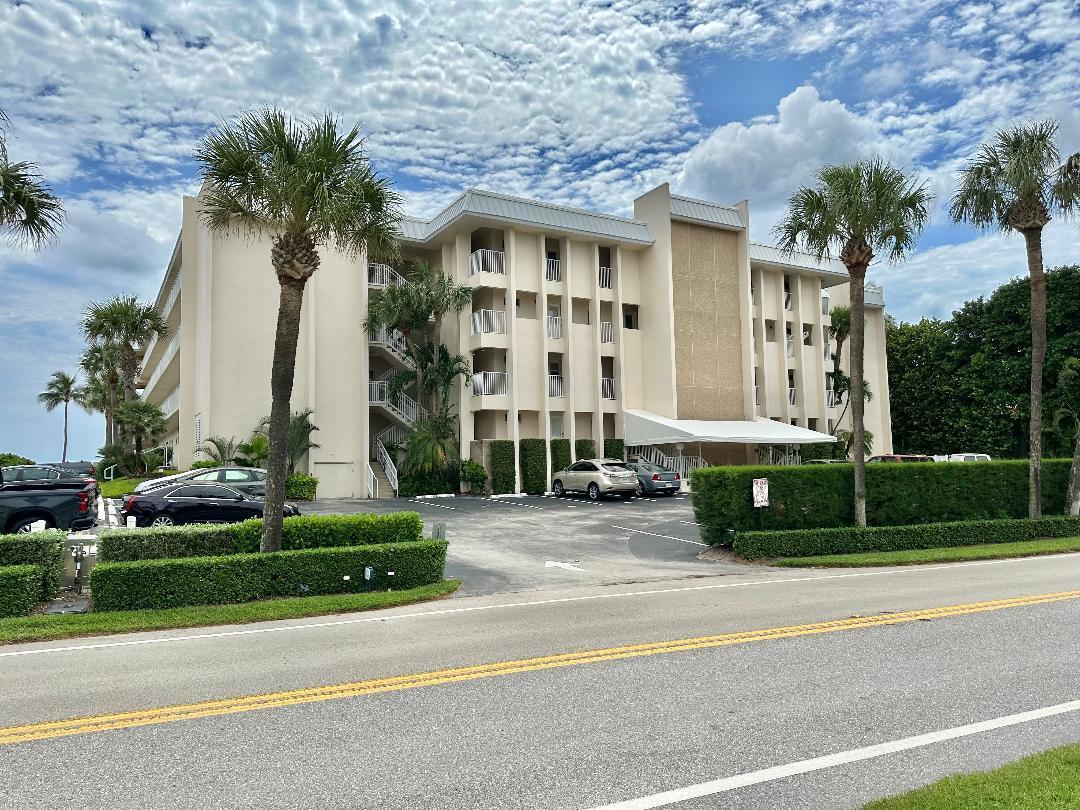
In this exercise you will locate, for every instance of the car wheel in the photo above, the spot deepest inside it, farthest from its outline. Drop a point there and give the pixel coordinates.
(640, 491)
(24, 525)
(594, 492)
(162, 520)
(557, 488)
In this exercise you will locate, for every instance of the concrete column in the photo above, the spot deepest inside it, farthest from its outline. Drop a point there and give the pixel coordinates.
(594, 328)
(617, 326)
(569, 401)
(513, 428)
(458, 267)
(545, 410)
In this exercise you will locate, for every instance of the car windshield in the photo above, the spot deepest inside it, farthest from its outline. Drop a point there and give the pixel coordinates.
(617, 467)
(648, 466)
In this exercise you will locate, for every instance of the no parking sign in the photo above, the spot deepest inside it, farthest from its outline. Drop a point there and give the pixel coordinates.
(761, 492)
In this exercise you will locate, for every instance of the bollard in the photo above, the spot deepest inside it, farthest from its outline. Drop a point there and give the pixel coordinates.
(438, 531)
(131, 521)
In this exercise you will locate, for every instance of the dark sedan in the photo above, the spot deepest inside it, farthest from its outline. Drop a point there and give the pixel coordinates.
(653, 478)
(193, 503)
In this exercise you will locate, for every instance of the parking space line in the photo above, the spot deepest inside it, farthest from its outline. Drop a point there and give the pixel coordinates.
(515, 503)
(689, 523)
(436, 505)
(665, 536)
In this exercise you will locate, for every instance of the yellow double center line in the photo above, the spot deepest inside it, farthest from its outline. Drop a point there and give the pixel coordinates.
(273, 700)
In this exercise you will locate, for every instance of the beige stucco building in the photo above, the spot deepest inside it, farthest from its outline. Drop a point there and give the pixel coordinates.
(670, 329)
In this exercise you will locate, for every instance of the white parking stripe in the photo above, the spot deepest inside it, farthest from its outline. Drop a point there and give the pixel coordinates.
(436, 505)
(665, 536)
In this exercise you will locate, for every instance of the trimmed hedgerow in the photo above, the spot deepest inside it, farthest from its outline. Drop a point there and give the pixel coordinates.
(503, 478)
(42, 549)
(155, 584)
(209, 540)
(854, 539)
(533, 460)
(585, 448)
(560, 454)
(614, 448)
(20, 589)
(820, 496)
(300, 487)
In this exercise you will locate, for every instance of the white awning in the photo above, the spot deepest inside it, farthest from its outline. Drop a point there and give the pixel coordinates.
(645, 427)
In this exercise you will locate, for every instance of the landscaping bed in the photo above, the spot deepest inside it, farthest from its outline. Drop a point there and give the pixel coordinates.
(987, 551)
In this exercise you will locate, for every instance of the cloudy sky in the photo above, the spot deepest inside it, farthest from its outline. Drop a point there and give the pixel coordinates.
(583, 103)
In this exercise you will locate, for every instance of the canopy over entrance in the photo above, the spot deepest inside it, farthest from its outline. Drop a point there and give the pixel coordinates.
(645, 427)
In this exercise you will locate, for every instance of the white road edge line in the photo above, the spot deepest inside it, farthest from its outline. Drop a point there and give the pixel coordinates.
(670, 797)
(419, 614)
(665, 536)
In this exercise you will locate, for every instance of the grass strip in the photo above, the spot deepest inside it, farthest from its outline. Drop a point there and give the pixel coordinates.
(918, 556)
(1046, 780)
(71, 625)
(118, 486)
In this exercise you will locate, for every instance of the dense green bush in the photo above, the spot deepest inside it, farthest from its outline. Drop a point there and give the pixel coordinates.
(852, 539)
(503, 479)
(300, 487)
(20, 589)
(209, 539)
(434, 482)
(473, 474)
(43, 549)
(155, 584)
(614, 448)
(820, 450)
(560, 454)
(13, 460)
(820, 495)
(533, 460)
(204, 465)
(585, 448)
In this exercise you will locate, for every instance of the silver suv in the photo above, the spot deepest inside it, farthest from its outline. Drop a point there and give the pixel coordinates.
(596, 477)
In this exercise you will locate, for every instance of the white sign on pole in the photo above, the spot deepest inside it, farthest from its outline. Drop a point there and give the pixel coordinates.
(761, 492)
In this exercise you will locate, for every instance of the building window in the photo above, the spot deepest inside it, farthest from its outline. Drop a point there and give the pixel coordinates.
(556, 425)
(630, 316)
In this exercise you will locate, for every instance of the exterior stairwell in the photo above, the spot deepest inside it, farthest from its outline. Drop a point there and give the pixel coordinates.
(383, 489)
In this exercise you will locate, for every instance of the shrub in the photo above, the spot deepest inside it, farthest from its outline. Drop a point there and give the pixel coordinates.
(614, 448)
(209, 540)
(852, 539)
(503, 479)
(820, 496)
(157, 584)
(20, 588)
(585, 448)
(204, 465)
(300, 487)
(13, 460)
(430, 483)
(820, 450)
(42, 549)
(560, 454)
(473, 474)
(533, 461)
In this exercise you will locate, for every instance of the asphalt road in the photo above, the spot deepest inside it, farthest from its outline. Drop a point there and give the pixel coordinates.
(579, 732)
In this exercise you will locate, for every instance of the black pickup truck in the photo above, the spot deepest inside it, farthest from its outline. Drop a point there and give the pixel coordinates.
(63, 503)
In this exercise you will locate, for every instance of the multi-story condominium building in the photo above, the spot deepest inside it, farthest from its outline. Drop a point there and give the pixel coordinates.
(671, 330)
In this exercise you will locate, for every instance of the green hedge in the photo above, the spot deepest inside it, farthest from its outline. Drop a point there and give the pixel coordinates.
(20, 587)
(852, 539)
(614, 448)
(584, 448)
(560, 454)
(208, 540)
(44, 549)
(533, 460)
(503, 479)
(300, 487)
(156, 584)
(821, 495)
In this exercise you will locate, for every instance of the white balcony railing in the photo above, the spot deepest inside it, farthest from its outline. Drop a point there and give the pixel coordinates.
(489, 383)
(680, 464)
(832, 399)
(791, 346)
(401, 404)
(163, 363)
(372, 483)
(388, 465)
(554, 326)
(394, 342)
(607, 332)
(787, 300)
(489, 321)
(555, 385)
(383, 275)
(487, 261)
(605, 278)
(172, 403)
(793, 396)
(552, 270)
(607, 388)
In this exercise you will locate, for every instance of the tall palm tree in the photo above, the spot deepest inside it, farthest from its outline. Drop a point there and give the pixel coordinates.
(101, 364)
(857, 210)
(1015, 183)
(126, 323)
(30, 214)
(302, 184)
(141, 422)
(62, 389)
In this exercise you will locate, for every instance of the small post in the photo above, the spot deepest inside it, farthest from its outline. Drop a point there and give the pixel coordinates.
(131, 521)
(438, 531)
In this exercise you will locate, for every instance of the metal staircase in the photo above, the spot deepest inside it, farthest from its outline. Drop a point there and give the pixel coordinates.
(680, 464)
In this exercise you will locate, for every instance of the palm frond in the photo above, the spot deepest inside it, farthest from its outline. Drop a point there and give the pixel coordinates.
(30, 214)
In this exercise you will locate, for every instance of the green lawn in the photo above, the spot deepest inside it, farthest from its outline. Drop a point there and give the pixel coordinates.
(45, 628)
(118, 486)
(988, 551)
(1043, 782)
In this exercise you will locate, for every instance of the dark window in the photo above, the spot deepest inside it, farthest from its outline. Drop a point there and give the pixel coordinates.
(210, 492)
(185, 492)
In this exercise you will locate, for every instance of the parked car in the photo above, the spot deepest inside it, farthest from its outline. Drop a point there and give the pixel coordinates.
(79, 467)
(963, 457)
(42, 472)
(897, 458)
(189, 502)
(654, 478)
(827, 461)
(596, 477)
(250, 480)
(63, 503)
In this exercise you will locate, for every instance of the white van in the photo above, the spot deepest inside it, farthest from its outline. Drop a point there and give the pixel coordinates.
(963, 457)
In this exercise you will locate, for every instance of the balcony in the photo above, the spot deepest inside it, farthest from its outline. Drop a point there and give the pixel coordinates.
(790, 346)
(489, 321)
(172, 403)
(605, 278)
(554, 327)
(787, 300)
(607, 332)
(607, 388)
(383, 275)
(163, 364)
(793, 396)
(555, 385)
(487, 261)
(552, 270)
(489, 383)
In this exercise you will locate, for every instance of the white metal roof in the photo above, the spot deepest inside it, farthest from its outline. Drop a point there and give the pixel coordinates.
(646, 427)
(767, 254)
(489, 205)
(725, 216)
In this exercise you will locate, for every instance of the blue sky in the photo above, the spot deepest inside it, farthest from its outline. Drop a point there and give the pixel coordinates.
(572, 101)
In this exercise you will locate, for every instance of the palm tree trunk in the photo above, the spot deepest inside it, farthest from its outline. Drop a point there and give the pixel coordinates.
(281, 385)
(855, 394)
(1033, 240)
(112, 408)
(1072, 502)
(63, 457)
